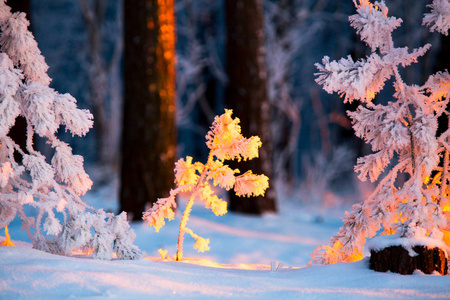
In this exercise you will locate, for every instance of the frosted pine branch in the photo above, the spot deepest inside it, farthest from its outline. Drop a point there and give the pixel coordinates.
(373, 25)
(69, 169)
(373, 165)
(212, 201)
(222, 175)
(38, 99)
(78, 121)
(41, 172)
(359, 80)
(439, 17)
(10, 78)
(249, 184)
(19, 44)
(186, 172)
(162, 209)
(107, 230)
(438, 86)
(9, 111)
(25, 91)
(201, 244)
(124, 238)
(227, 143)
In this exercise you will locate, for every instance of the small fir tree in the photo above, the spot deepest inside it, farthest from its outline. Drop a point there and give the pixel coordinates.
(52, 186)
(225, 143)
(402, 133)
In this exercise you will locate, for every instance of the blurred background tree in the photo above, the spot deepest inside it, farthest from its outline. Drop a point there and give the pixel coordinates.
(246, 94)
(313, 146)
(148, 136)
(104, 81)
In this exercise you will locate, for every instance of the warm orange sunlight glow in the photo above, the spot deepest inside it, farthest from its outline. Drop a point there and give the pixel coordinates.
(446, 207)
(165, 54)
(355, 257)
(86, 252)
(7, 241)
(211, 264)
(83, 252)
(446, 237)
(351, 258)
(446, 232)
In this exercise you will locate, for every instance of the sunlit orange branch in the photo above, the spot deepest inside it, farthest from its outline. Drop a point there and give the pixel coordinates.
(7, 241)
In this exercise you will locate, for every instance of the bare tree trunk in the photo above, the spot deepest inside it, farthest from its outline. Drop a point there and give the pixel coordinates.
(149, 134)
(247, 93)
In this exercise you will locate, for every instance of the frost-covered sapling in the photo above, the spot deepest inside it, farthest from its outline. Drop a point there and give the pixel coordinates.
(225, 142)
(52, 186)
(402, 133)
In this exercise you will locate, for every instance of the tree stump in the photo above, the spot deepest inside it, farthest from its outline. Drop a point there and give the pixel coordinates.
(397, 259)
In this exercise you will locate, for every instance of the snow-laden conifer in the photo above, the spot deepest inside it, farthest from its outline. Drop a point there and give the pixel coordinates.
(225, 142)
(403, 135)
(55, 183)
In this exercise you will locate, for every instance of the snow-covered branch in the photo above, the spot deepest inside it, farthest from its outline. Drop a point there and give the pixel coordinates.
(51, 185)
(402, 133)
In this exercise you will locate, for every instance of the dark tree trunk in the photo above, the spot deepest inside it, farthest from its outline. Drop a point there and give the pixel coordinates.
(396, 259)
(149, 136)
(19, 131)
(247, 93)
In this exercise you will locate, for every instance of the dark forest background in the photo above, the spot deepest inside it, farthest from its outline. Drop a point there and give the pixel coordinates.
(314, 148)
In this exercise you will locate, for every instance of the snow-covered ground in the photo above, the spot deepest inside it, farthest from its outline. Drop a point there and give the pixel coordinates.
(250, 257)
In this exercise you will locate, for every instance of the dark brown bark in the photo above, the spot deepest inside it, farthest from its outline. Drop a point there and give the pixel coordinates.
(149, 137)
(247, 95)
(396, 259)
